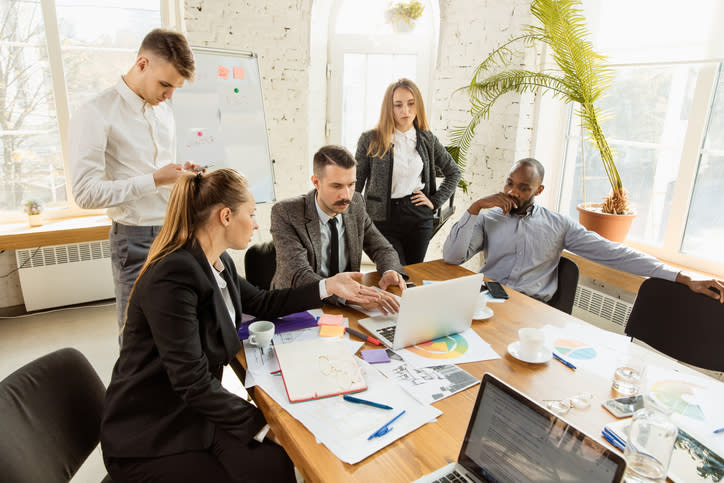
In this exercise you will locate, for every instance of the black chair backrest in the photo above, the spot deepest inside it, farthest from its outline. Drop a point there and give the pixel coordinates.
(680, 323)
(260, 263)
(50, 417)
(567, 283)
(442, 214)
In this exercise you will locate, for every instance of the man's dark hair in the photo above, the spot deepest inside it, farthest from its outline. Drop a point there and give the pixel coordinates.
(173, 47)
(332, 154)
(535, 164)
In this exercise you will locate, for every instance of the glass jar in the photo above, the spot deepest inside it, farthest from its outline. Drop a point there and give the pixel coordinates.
(650, 444)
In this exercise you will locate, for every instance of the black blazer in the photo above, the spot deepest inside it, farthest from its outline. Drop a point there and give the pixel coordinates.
(165, 394)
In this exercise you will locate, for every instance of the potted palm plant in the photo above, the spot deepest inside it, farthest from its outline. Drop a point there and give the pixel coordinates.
(33, 209)
(582, 76)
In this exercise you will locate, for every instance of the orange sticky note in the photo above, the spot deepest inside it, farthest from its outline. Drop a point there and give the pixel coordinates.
(223, 72)
(331, 331)
(238, 72)
(329, 319)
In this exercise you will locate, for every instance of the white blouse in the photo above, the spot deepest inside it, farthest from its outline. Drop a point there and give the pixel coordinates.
(407, 164)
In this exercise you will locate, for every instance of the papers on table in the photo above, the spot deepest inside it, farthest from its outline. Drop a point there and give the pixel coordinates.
(429, 384)
(344, 427)
(467, 346)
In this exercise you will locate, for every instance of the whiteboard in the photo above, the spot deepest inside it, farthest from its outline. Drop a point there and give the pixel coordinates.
(220, 118)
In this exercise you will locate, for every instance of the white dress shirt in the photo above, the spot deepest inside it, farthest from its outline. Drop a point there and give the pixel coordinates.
(116, 142)
(407, 164)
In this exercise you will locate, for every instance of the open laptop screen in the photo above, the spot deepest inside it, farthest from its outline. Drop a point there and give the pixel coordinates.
(511, 438)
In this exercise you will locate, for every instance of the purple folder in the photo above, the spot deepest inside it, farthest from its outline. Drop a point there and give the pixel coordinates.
(296, 321)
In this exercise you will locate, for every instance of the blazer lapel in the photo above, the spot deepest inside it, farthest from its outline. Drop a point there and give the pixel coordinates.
(312, 227)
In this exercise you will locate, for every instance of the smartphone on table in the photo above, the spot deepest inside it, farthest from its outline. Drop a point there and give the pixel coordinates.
(495, 289)
(624, 407)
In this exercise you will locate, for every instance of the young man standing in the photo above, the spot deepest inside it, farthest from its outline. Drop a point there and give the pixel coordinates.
(123, 153)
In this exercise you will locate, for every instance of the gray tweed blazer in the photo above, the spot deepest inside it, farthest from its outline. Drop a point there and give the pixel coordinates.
(298, 242)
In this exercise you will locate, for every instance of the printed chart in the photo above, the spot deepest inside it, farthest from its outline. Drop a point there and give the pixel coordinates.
(466, 346)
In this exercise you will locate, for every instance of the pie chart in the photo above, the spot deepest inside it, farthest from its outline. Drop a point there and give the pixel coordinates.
(448, 347)
(575, 349)
(673, 394)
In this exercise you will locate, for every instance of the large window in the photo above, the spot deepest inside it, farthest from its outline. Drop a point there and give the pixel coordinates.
(54, 55)
(666, 104)
(368, 51)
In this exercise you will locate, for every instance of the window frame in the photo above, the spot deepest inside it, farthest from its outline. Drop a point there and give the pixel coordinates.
(171, 17)
(562, 182)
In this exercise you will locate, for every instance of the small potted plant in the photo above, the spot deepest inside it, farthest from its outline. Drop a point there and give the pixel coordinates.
(402, 15)
(33, 209)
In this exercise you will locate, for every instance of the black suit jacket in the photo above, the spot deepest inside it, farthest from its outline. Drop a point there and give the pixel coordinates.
(165, 394)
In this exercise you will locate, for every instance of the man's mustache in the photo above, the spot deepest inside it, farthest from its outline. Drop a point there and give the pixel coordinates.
(342, 202)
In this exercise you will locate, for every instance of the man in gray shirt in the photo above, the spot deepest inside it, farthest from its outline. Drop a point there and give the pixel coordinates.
(522, 242)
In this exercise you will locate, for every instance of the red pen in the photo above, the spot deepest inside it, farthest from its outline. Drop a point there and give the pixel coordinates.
(362, 336)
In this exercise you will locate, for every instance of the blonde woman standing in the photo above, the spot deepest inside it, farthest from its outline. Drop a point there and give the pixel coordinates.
(396, 166)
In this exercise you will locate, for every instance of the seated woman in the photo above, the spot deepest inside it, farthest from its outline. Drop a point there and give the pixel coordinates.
(396, 166)
(166, 415)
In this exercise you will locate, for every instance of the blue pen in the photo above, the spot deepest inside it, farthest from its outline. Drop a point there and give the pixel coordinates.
(613, 442)
(563, 361)
(385, 428)
(357, 400)
(614, 436)
(720, 430)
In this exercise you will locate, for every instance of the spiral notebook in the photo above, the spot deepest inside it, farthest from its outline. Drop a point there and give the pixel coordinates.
(318, 368)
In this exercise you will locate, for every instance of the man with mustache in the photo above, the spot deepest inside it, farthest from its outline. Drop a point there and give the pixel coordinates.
(323, 232)
(522, 242)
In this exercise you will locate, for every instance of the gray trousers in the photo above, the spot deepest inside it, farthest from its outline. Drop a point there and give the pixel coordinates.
(129, 248)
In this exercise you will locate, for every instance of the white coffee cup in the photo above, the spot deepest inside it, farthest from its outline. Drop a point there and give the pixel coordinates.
(261, 333)
(531, 342)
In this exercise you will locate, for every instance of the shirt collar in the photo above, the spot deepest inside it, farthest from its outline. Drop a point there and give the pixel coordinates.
(216, 269)
(409, 135)
(324, 217)
(133, 99)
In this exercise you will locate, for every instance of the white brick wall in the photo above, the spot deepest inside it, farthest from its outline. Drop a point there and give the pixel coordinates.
(280, 32)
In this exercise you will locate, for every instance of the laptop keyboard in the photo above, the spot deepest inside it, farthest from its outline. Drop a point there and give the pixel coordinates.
(453, 477)
(388, 332)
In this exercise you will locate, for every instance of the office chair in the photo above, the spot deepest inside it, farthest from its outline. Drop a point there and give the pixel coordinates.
(678, 322)
(567, 283)
(50, 417)
(442, 214)
(260, 264)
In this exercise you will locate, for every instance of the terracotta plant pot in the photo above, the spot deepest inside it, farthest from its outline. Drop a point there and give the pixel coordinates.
(612, 227)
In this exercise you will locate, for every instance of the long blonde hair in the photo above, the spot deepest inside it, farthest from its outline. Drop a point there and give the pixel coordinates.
(381, 141)
(192, 200)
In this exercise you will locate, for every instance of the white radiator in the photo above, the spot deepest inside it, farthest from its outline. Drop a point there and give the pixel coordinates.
(601, 309)
(59, 275)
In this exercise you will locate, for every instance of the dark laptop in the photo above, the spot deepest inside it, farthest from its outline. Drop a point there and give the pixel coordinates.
(510, 438)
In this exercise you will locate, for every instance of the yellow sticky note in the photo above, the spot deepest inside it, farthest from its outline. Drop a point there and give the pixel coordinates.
(329, 319)
(331, 331)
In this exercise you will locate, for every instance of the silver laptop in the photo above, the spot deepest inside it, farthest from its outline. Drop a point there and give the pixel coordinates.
(510, 438)
(428, 312)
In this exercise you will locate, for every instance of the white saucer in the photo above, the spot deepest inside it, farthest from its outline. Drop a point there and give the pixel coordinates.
(544, 354)
(482, 314)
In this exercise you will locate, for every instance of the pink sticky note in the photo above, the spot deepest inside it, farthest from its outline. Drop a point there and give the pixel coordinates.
(223, 72)
(331, 331)
(238, 72)
(375, 356)
(329, 319)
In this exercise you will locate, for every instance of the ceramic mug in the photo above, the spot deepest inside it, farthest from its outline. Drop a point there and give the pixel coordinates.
(531, 342)
(261, 333)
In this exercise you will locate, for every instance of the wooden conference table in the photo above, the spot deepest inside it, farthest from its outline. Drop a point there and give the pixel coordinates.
(436, 444)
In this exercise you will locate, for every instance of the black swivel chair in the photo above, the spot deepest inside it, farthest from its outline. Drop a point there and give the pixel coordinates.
(260, 263)
(567, 283)
(50, 418)
(442, 214)
(680, 323)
